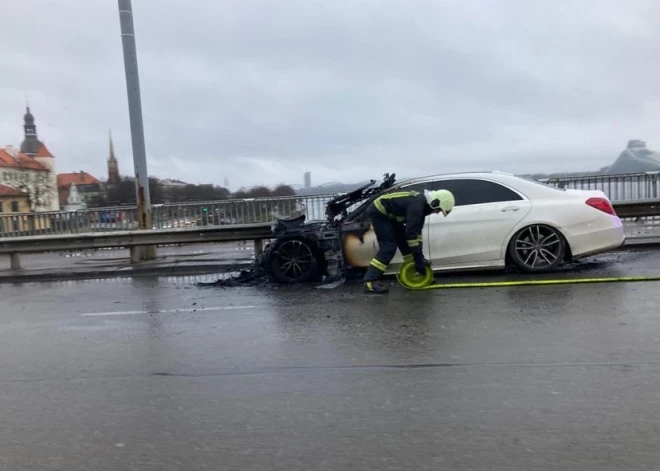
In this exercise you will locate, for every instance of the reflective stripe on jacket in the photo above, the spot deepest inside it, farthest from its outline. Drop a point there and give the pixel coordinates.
(409, 207)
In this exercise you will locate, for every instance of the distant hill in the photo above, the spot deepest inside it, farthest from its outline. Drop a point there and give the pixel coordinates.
(635, 158)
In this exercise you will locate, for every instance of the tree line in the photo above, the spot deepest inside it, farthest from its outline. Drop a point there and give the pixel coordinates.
(123, 193)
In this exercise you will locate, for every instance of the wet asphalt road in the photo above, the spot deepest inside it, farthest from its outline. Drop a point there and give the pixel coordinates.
(157, 374)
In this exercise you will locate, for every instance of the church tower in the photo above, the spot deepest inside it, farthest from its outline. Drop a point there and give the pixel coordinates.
(31, 144)
(113, 165)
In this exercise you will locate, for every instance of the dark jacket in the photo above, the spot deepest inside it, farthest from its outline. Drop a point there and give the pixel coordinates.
(409, 208)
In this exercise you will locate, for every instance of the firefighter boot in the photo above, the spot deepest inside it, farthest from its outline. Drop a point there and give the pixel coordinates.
(375, 287)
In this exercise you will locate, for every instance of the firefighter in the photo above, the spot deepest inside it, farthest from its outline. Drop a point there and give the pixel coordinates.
(398, 219)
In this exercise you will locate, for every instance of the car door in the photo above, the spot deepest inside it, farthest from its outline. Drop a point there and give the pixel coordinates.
(473, 234)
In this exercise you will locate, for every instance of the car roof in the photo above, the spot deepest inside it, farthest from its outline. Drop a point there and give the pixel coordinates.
(492, 175)
(531, 188)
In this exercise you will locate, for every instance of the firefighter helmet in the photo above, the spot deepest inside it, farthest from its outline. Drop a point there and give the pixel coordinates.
(441, 199)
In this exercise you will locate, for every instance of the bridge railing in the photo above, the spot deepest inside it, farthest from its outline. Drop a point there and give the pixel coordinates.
(641, 220)
(165, 216)
(619, 188)
(623, 187)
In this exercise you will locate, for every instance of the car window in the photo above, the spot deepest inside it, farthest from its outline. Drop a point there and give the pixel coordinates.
(419, 187)
(470, 191)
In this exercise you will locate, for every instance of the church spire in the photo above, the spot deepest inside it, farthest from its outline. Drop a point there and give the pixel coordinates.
(113, 165)
(112, 147)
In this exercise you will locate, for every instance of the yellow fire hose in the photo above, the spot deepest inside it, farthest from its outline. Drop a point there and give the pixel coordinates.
(410, 279)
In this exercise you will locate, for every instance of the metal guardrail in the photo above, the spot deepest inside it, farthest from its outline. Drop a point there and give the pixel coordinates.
(635, 197)
(637, 209)
(166, 216)
(120, 239)
(618, 188)
(641, 221)
(14, 246)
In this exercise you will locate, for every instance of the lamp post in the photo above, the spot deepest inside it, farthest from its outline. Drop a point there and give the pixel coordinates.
(137, 129)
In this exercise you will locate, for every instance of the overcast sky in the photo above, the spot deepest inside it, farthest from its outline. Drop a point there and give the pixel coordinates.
(260, 91)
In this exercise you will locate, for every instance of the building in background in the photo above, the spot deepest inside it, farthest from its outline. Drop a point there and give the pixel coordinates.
(172, 183)
(78, 189)
(31, 169)
(308, 179)
(13, 201)
(70, 199)
(15, 215)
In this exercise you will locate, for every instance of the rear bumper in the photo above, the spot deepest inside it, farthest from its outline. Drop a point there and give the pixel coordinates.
(590, 240)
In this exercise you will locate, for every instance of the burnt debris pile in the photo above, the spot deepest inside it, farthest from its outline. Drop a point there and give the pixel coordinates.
(248, 277)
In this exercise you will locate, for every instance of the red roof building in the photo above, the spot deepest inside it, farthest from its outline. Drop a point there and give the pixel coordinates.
(88, 186)
(9, 191)
(79, 178)
(11, 158)
(30, 168)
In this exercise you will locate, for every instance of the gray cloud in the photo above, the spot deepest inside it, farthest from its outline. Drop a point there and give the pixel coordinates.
(261, 91)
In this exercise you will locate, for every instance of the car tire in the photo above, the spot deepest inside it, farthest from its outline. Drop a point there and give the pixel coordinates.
(537, 248)
(293, 261)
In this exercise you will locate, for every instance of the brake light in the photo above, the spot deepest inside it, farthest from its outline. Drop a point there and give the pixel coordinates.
(601, 204)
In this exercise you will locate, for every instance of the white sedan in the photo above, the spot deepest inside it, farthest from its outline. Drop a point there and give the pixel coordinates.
(499, 220)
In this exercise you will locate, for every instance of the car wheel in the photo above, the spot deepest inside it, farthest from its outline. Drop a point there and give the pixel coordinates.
(293, 261)
(537, 248)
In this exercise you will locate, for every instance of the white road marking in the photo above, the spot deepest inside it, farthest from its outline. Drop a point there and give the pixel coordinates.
(165, 311)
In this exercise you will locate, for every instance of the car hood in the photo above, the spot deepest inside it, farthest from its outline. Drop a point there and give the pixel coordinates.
(338, 206)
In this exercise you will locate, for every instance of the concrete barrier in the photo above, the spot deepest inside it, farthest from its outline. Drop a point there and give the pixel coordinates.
(14, 246)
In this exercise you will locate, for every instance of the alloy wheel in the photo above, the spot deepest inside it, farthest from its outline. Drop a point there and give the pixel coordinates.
(295, 261)
(538, 247)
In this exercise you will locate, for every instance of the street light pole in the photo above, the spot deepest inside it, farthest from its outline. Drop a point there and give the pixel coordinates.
(137, 128)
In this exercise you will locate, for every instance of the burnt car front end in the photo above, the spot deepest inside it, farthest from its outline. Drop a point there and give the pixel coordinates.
(305, 251)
